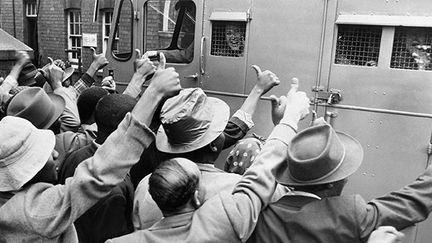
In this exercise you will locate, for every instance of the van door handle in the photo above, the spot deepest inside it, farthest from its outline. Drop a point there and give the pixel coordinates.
(194, 76)
(202, 57)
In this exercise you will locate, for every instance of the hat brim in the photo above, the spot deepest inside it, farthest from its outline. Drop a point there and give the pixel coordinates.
(352, 161)
(59, 105)
(28, 164)
(221, 114)
(68, 73)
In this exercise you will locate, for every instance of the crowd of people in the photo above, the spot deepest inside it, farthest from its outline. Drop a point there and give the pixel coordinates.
(81, 162)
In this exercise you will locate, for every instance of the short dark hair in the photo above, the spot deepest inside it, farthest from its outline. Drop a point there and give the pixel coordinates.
(171, 186)
(87, 102)
(110, 111)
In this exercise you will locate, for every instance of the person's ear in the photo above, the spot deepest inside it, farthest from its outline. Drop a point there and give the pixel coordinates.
(196, 200)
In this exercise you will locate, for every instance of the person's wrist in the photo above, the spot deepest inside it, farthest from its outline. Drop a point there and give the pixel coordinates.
(290, 120)
(258, 90)
(155, 93)
(94, 66)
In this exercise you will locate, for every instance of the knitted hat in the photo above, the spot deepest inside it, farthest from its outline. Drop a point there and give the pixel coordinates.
(87, 101)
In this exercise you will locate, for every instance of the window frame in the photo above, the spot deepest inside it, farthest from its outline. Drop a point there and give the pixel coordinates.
(31, 5)
(73, 57)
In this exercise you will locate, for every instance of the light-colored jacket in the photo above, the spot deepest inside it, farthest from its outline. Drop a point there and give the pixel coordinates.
(226, 217)
(45, 213)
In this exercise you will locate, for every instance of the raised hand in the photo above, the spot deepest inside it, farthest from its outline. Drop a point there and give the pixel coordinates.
(143, 65)
(265, 80)
(22, 58)
(297, 105)
(54, 75)
(99, 60)
(277, 108)
(165, 81)
(386, 234)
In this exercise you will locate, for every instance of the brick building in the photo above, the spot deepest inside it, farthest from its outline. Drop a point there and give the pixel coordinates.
(51, 27)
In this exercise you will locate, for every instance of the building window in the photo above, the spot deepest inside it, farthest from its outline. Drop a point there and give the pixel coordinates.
(31, 9)
(74, 35)
(106, 30)
(358, 45)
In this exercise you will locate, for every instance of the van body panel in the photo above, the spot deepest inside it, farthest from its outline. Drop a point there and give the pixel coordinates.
(386, 92)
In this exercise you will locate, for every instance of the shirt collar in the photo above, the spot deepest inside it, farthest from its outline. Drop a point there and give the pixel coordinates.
(173, 221)
(207, 167)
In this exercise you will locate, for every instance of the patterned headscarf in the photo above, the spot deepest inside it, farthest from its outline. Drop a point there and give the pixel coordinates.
(243, 154)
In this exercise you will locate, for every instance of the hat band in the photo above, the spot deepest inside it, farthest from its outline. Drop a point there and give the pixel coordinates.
(326, 175)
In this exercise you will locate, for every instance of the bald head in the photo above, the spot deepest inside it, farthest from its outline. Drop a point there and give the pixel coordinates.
(174, 184)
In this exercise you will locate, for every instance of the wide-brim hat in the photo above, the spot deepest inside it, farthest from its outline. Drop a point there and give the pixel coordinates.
(320, 155)
(68, 71)
(190, 121)
(24, 152)
(36, 106)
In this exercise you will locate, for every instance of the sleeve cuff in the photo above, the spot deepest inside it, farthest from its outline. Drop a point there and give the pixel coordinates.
(244, 117)
(87, 79)
(282, 132)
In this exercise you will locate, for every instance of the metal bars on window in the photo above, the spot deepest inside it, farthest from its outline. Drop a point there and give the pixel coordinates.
(358, 45)
(412, 48)
(228, 38)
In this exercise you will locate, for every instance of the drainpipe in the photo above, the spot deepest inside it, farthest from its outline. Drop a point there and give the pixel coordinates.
(13, 15)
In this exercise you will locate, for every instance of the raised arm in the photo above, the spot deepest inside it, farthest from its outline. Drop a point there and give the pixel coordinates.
(99, 61)
(11, 80)
(241, 122)
(144, 68)
(95, 177)
(258, 184)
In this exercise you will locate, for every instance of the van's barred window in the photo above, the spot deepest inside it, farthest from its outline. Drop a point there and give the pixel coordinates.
(412, 48)
(358, 45)
(228, 38)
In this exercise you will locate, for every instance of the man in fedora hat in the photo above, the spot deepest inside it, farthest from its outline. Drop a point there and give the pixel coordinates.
(198, 127)
(319, 161)
(34, 210)
(179, 188)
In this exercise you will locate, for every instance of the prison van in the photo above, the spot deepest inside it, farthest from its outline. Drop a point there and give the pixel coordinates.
(366, 64)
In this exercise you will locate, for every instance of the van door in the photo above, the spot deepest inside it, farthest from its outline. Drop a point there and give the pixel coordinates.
(174, 28)
(383, 72)
(225, 41)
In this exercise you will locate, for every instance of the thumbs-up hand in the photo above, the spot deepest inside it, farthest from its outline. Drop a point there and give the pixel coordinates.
(143, 65)
(54, 75)
(277, 108)
(297, 105)
(99, 60)
(165, 81)
(265, 80)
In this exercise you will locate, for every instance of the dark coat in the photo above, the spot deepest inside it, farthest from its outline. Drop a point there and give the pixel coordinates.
(301, 218)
